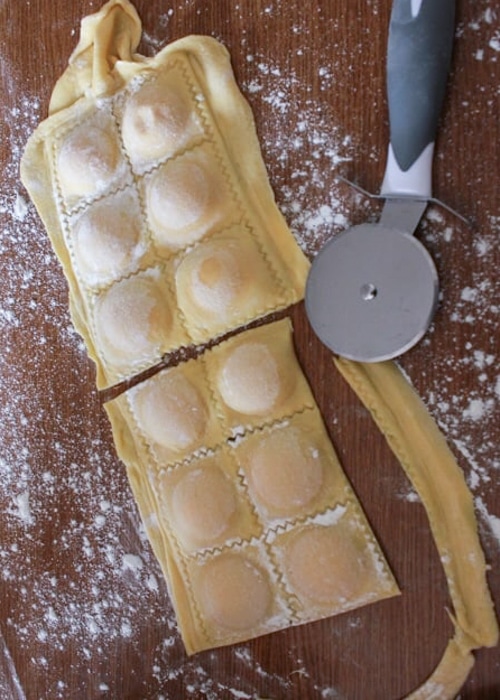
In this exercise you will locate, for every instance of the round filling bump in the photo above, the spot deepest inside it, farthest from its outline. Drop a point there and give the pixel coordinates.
(155, 120)
(178, 201)
(202, 505)
(132, 320)
(87, 161)
(325, 566)
(213, 278)
(234, 593)
(250, 381)
(106, 239)
(171, 411)
(285, 471)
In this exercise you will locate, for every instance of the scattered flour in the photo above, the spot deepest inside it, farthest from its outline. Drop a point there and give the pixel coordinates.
(303, 133)
(65, 506)
(493, 521)
(76, 571)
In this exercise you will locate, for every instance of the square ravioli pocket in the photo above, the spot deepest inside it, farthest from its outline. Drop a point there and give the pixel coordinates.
(87, 157)
(234, 595)
(256, 378)
(204, 504)
(224, 281)
(187, 197)
(171, 414)
(107, 241)
(160, 115)
(133, 322)
(291, 467)
(332, 563)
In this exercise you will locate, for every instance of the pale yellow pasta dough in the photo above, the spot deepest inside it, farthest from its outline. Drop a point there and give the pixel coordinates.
(430, 465)
(179, 198)
(202, 503)
(171, 410)
(239, 519)
(234, 593)
(222, 279)
(250, 381)
(87, 161)
(158, 120)
(215, 277)
(132, 320)
(322, 565)
(106, 238)
(171, 414)
(256, 378)
(169, 143)
(186, 432)
(290, 467)
(285, 471)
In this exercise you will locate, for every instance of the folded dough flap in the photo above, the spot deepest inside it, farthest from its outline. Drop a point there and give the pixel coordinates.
(149, 178)
(244, 500)
(107, 37)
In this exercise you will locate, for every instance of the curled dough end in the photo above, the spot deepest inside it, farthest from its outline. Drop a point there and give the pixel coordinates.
(433, 471)
(107, 38)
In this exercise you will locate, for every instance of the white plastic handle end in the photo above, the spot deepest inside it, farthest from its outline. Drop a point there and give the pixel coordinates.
(415, 182)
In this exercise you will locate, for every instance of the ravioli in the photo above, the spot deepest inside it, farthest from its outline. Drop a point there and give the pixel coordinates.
(241, 492)
(149, 177)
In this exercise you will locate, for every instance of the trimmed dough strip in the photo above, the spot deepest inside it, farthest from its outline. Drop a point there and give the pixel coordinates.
(433, 471)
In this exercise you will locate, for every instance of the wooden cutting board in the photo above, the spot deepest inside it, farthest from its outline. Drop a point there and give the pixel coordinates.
(84, 610)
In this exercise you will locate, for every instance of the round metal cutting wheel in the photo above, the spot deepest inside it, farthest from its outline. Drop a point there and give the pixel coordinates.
(371, 293)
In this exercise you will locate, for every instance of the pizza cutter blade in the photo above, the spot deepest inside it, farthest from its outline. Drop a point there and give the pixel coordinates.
(372, 291)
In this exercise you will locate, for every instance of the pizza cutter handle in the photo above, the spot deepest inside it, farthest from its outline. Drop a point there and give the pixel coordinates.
(418, 60)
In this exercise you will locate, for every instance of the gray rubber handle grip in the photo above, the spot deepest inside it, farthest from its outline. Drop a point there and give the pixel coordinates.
(418, 62)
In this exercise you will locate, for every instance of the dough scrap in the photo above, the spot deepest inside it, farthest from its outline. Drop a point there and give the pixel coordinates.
(432, 469)
(169, 144)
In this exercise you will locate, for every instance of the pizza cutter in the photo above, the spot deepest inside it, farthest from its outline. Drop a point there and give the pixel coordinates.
(372, 290)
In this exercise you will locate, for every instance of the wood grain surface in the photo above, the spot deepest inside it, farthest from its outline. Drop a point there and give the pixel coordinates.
(84, 610)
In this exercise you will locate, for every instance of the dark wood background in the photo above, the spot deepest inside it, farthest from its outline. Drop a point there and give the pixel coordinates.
(84, 611)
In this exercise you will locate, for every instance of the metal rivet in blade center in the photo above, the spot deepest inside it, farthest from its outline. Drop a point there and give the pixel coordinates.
(368, 291)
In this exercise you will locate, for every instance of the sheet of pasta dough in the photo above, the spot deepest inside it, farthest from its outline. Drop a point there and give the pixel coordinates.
(242, 495)
(149, 178)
